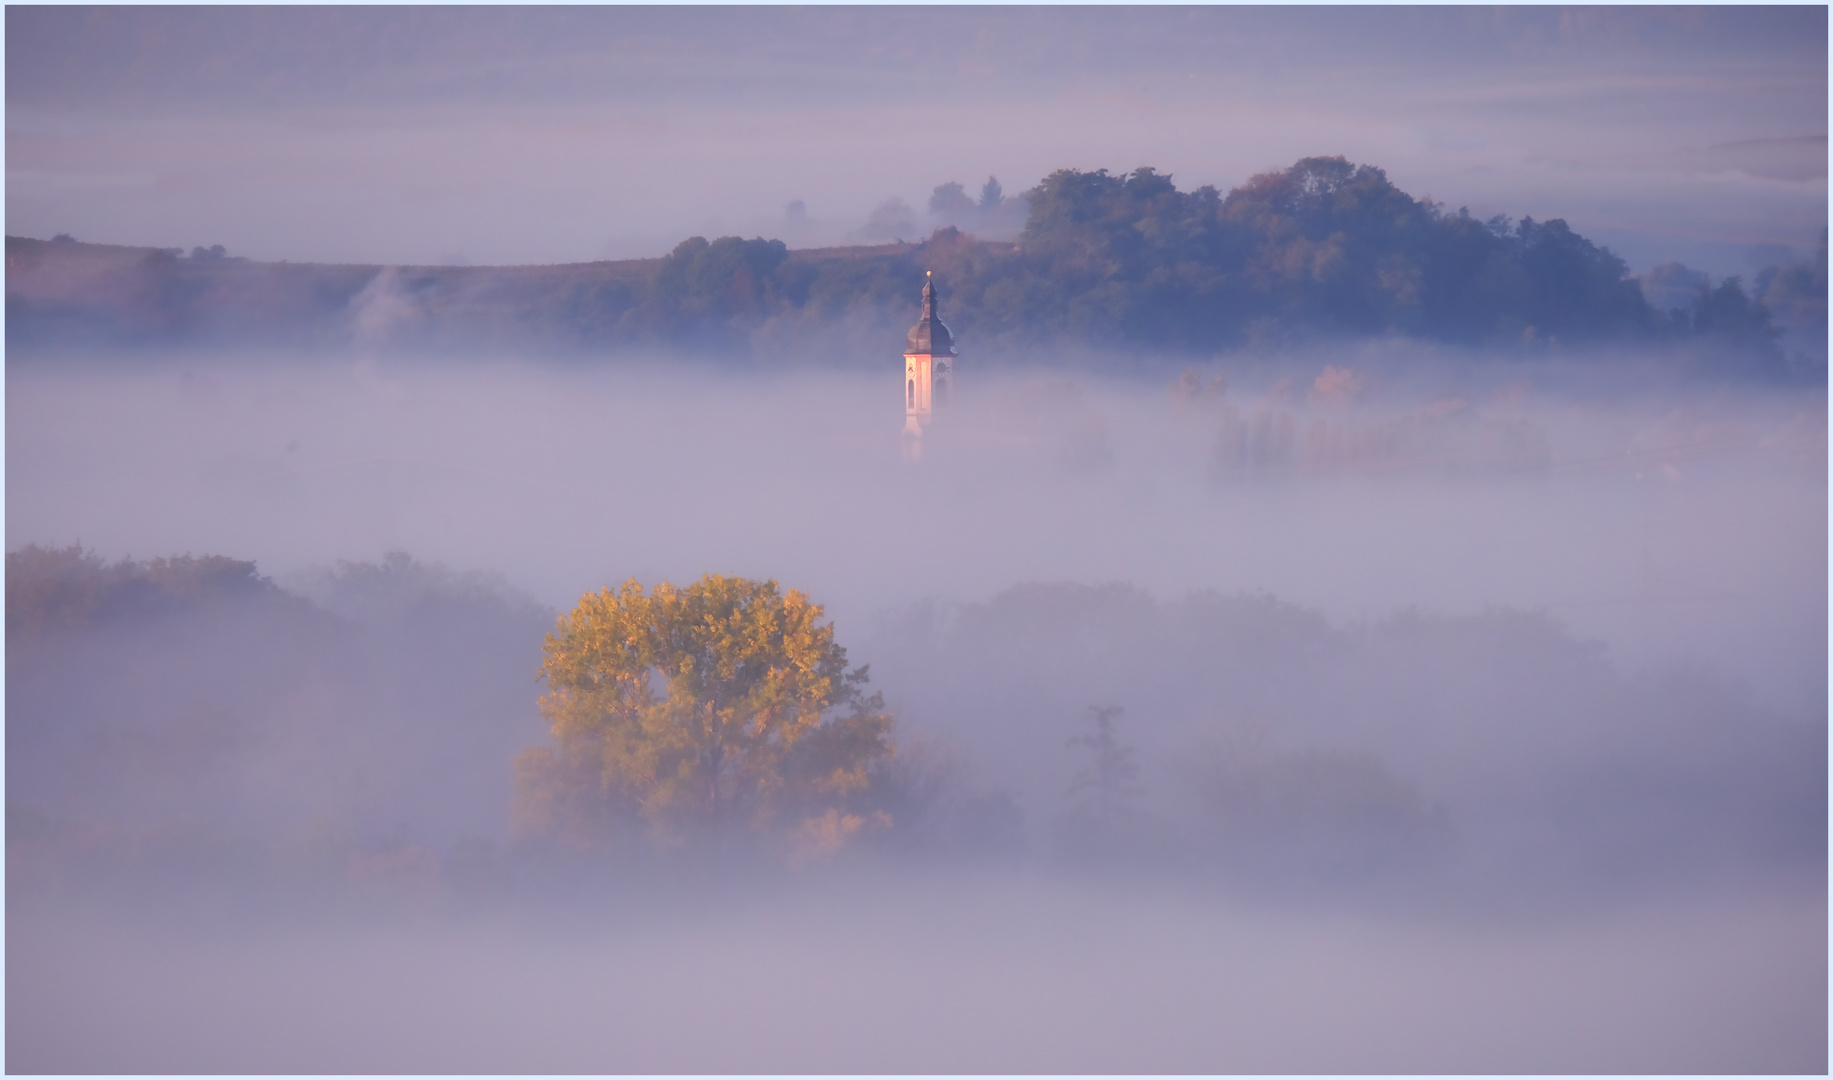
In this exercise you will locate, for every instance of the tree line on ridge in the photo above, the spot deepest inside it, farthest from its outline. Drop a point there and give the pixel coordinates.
(1106, 265)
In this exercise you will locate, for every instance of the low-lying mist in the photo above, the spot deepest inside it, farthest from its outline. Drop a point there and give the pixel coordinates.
(1680, 524)
(1337, 714)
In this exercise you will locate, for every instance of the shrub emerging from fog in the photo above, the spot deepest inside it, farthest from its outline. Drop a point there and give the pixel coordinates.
(58, 590)
(1106, 793)
(1311, 809)
(722, 706)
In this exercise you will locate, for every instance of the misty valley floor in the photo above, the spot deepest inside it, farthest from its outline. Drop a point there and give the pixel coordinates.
(999, 971)
(1536, 675)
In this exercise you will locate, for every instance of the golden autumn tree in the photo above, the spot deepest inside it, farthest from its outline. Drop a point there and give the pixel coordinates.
(723, 703)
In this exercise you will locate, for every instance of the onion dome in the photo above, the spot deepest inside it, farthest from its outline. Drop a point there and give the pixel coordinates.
(930, 335)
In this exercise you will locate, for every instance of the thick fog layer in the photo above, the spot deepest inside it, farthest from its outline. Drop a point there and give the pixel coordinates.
(972, 975)
(1677, 526)
(1348, 712)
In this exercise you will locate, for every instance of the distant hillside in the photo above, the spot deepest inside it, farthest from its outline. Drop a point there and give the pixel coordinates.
(1106, 265)
(67, 293)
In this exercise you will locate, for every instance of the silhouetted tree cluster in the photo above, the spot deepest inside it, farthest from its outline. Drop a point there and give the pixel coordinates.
(991, 215)
(1325, 247)
(710, 294)
(1797, 297)
(1730, 316)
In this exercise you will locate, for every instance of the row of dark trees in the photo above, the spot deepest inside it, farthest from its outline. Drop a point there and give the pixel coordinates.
(1326, 246)
(1105, 265)
(1324, 249)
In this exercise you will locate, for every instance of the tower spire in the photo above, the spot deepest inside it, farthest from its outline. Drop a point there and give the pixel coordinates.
(929, 355)
(930, 336)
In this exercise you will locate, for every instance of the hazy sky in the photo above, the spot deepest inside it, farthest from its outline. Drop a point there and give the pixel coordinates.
(502, 135)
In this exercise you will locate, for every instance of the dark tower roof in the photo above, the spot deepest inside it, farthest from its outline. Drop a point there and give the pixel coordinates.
(930, 335)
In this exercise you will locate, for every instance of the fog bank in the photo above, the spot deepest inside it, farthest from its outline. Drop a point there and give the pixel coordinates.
(990, 974)
(1682, 526)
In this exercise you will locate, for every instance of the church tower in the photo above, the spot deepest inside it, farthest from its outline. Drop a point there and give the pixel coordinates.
(929, 370)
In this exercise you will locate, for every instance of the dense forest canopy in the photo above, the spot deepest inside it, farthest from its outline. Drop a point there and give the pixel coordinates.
(1105, 265)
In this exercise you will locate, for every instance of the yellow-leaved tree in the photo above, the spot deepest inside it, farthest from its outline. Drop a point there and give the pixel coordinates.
(725, 703)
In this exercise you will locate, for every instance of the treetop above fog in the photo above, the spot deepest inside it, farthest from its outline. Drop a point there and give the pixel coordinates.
(723, 703)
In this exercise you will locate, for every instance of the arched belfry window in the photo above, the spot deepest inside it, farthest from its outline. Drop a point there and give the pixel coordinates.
(910, 394)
